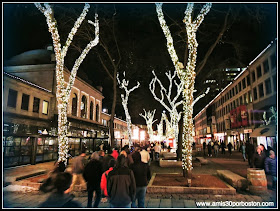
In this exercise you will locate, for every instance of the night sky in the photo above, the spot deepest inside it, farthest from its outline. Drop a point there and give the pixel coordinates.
(142, 42)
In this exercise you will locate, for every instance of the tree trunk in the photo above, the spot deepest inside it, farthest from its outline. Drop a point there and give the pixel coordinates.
(62, 132)
(112, 133)
(180, 140)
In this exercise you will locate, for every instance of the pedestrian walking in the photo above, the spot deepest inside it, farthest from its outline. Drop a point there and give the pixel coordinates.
(48, 184)
(209, 147)
(92, 175)
(271, 168)
(142, 174)
(106, 160)
(77, 171)
(229, 148)
(103, 182)
(249, 150)
(121, 185)
(223, 146)
(145, 156)
(204, 148)
(152, 148)
(59, 198)
(115, 153)
(216, 148)
(259, 158)
(243, 150)
(157, 151)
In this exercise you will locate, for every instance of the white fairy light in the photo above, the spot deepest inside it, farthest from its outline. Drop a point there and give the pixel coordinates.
(63, 88)
(172, 105)
(186, 74)
(123, 85)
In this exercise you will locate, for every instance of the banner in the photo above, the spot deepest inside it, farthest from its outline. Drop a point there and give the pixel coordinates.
(233, 118)
(244, 115)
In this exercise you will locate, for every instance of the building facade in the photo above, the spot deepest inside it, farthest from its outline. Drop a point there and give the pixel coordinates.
(236, 113)
(30, 113)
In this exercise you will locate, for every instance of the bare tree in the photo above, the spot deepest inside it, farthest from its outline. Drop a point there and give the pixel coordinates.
(149, 117)
(63, 88)
(186, 74)
(123, 85)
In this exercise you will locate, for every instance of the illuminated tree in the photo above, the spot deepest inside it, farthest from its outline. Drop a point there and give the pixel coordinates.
(123, 85)
(63, 88)
(172, 104)
(186, 74)
(149, 116)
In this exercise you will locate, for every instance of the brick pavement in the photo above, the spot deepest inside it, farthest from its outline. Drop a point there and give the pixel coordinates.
(159, 200)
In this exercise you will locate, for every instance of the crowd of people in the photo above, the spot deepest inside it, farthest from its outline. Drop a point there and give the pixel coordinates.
(120, 177)
(258, 157)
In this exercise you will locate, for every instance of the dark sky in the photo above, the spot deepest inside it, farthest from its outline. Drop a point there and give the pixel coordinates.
(143, 44)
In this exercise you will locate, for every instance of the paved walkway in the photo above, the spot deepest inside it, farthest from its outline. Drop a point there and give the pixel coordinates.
(159, 200)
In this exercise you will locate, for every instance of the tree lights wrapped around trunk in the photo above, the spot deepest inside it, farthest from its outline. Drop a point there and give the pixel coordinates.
(186, 74)
(63, 88)
(124, 85)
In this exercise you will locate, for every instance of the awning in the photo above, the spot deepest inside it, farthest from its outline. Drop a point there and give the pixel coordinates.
(267, 131)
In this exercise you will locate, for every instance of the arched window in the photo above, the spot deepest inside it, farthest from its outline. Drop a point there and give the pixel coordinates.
(91, 111)
(74, 104)
(84, 107)
(97, 113)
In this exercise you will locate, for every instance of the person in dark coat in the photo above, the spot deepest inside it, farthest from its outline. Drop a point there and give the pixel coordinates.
(259, 158)
(106, 160)
(142, 174)
(249, 149)
(92, 175)
(270, 165)
(229, 148)
(204, 148)
(121, 186)
(223, 146)
(209, 147)
(58, 198)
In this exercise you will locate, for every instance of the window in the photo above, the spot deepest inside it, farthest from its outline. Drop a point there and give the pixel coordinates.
(74, 104)
(259, 71)
(274, 83)
(239, 86)
(265, 66)
(253, 76)
(246, 101)
(255, 93)
(261, 92)
(24, 102)
(248, 80)
(97, 113)
(241, 100)
(45, 107)
(36, 105)
(84, 107)
(91, 111)
(273, 60)
(243, 83)
(250, 97)
(12, 98)
(268, 89)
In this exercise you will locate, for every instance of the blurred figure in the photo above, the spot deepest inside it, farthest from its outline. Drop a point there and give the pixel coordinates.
(209, 147)
(229, 148)
(204, 148)
(92, 175)
(216, 148)
(249, 149)
(101, 154)
(270, 164)
(145, 156)
(59, 197)
(259, 158)
(115, 153)
(107, 159)
(223, 146)
(157, 151)
(48, 184)
(142, 176)
(77, 170)
(121, 185)
(243, 150)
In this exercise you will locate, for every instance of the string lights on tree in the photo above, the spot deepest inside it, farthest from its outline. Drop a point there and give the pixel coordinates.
(149, 116)
(123, 85)
(186, 74)
(172, 104)
(63, 88)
